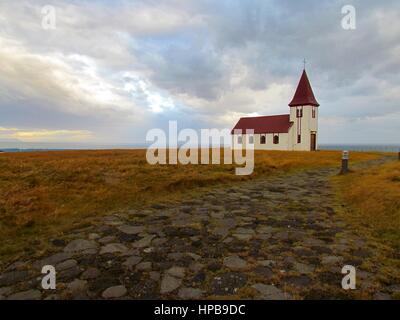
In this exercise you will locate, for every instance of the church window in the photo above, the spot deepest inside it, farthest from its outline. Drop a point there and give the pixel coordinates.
(276, 139)
(299, 138)
(299, 113)
(263, 139)
(251, 139)
(313, 112)
(240, 140)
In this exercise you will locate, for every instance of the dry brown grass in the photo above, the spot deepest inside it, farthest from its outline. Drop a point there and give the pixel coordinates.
(372, 207)
(45, 193)
(372, 197)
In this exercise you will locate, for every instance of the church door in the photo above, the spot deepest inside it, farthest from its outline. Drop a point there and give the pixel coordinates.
(313, 141)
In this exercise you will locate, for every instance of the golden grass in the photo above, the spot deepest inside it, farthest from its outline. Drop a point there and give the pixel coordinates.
(372, 207)
(43, 194)
(372, 197)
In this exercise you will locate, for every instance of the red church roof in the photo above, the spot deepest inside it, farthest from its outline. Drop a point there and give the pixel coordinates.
(304, 95)
(265, 124)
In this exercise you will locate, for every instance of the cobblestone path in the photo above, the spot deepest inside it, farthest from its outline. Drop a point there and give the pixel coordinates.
(276, 238)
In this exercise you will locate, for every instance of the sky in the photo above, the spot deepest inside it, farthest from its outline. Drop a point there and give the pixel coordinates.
(109, 71)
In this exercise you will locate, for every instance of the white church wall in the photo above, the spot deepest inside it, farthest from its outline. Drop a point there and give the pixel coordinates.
(269, 143)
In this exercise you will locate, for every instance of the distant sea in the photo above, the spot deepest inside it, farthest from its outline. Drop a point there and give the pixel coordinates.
(361, 147)
(54, 147)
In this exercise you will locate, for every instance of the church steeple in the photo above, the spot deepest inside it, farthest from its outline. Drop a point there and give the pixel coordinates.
(304, 95)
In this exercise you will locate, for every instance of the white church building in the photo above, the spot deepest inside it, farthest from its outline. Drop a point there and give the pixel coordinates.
(296, 131)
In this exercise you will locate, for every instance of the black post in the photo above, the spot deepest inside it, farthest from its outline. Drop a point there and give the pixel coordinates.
(345, 162)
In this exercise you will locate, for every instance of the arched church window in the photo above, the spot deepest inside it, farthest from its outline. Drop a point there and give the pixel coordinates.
(276, 139)
(263, 139)
(299, 112)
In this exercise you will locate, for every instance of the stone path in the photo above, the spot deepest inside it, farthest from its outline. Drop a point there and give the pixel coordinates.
(276, 238)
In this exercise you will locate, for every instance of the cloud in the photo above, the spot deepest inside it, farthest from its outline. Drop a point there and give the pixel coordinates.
(43, 135)
(69, 82)
(118, 69)
(365, 130)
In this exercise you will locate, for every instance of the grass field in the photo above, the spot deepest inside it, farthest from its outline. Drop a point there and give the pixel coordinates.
(371, 200)
(43, 194)
(377, 206)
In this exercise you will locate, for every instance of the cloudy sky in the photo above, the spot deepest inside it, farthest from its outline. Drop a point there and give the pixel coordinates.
(112, 70)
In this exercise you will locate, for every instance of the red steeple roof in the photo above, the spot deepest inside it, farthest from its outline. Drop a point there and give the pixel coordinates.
(304, 95)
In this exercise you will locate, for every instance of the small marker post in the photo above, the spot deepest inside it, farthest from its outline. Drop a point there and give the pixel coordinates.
(345, 162)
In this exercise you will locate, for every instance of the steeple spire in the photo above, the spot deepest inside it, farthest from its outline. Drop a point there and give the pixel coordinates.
(304, 61)
(304, 95)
